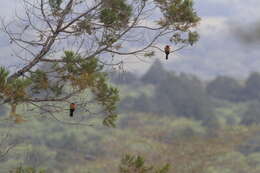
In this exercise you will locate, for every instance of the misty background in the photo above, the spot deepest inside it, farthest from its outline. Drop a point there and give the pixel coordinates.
(157, 111)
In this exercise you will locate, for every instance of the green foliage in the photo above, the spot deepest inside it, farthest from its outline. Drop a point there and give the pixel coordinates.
(230, 89)
(79, 73)
(110, 120)
(87, 73)
(225, 88)
(43, 82)
(181, 11)
(149, 54)
(40, 80)
(254, 159)
(3, 77)
(193, 37)
(15, 90)
(26, 170)
(115, 13)
(251, 116)
(76, 65)
(181, 95)
(251, 90)
(55, 4)
(186, 96)
(83, 26)
(183, 142)
(108, 16)
(180, 15)
(184, 127)
(136, 164)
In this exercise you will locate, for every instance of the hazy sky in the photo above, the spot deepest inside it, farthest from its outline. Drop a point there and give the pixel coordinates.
(222, 49)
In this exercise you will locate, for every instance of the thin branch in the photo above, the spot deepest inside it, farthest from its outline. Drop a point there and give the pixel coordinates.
(45, 18)
(53, 99)
(80, 16)
(58, 120)
(47, 45)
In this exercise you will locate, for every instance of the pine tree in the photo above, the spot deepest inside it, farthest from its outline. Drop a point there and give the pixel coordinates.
(76, 38)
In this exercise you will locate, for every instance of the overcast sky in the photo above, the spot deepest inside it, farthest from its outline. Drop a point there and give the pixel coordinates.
(221, 49)
(225, 47)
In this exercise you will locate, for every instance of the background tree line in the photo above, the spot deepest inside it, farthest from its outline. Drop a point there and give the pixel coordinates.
(185, 95)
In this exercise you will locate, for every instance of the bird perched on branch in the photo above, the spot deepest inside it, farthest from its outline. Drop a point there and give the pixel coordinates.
(167, 51)
(72, 108)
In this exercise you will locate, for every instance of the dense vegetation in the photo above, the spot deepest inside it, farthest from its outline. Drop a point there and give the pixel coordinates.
(194, 125)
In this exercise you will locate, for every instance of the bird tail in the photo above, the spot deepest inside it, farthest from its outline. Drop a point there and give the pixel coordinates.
(71, 112)
(167, 56)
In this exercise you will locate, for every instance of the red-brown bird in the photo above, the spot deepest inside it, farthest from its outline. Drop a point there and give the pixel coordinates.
(167, 51)
(72, 108)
